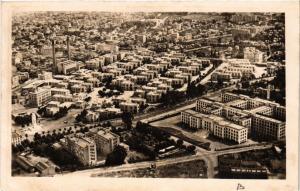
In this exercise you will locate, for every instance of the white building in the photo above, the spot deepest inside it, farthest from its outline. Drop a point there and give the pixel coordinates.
(216, 125)
(129, 107)
(105, 140)
(45, 76)
(40, 97)
(84, 148)
(253, 55)
(67, 67)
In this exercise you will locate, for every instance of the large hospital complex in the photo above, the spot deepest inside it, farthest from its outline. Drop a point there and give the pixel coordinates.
(237, 117)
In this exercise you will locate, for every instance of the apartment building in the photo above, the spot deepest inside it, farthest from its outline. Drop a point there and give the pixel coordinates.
(244, 18)
(67, 67)
(153, 97)
(95, 63)
(227, 97)
(84, 148)
(60, 91)
(15, 81)
(45, 76)
(267, 127)
(140, 101)
(16, 138)
(62, 98)
(40, 97)
(216, 125)
(253, 55)
(105, 140)
(129, 107)
(262, 118)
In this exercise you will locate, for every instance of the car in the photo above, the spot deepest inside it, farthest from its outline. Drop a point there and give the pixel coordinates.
(65, 122)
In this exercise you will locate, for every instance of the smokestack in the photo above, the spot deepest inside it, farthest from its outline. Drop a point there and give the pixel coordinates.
(68, 47)
(268, 92)
(53, 54)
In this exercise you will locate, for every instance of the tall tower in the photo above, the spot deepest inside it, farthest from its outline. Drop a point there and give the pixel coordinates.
(68, 47)
(268, 92)
(53, 56)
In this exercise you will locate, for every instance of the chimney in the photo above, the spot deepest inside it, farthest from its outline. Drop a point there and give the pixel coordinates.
(68, 47)
(53, 54)
(268, 92)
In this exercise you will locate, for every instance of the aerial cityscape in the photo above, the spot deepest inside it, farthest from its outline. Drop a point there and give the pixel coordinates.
(148, 94)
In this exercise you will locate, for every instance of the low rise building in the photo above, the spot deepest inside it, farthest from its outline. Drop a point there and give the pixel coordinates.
(45, 169)
(129, 107)
(153, 97)
(16, 138)
(45, 76)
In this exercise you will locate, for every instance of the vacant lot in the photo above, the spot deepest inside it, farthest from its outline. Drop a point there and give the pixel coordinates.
(191, 169)
(49, 124)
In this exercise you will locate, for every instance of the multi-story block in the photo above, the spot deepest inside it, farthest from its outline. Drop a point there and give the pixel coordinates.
(16, 138)
(40, 97)
(83, 148)
(153, 97)
(129, 107)
(67, 67)
(262, 118)
(105, 140)
(253, 55)
(45, 76)
(216, 125)
(266, 127)
(60, 91)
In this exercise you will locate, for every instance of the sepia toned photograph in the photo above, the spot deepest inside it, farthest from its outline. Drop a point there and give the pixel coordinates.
(151, 95)
(183, 95)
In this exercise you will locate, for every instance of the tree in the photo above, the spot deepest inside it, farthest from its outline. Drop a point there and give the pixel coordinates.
(179, 142)
(172, 97)
(191, 90)
(88, 99)
(220, 82)
(245, 84)
(146, 60)
(81, 116)
(116, 157)
(36, 137)
(142, 127)
(201, 89)
(191, 148)
(23, 120)
(279, 80)
(89, 90)
(108, 81)
(101, 93)
(61, 113)
(41, 110)
(15, 149)
(175, 62)
(127, 118)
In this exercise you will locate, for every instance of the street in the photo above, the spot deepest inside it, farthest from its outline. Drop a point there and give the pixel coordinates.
(210, 157)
